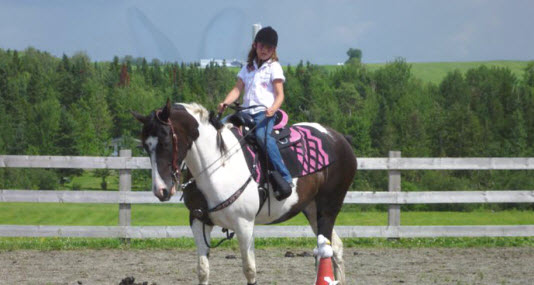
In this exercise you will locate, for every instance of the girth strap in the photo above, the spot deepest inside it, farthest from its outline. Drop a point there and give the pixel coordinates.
(221, 206)
(232, 198)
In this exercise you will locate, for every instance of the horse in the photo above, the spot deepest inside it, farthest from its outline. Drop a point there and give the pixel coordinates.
(181, 133)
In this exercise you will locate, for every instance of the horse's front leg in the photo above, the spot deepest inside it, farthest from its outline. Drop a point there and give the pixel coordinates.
(203, 267)
(245, 237)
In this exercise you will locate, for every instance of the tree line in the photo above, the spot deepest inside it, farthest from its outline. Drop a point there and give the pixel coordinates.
(75, 106)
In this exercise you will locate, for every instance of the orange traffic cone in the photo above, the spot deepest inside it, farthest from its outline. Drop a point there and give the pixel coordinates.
(325, 274)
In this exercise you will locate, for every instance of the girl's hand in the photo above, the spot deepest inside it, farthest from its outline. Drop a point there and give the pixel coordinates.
(221, 107)
(270, 112)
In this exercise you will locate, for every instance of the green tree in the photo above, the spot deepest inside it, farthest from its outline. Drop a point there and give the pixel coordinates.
(63, 82)
(42, 132)
(528, 75)
(462, 132)
(391, 83)
(156, 74)
(82, 71)
(454, 89)
(354, 55)
(145, 70)
(92, 121)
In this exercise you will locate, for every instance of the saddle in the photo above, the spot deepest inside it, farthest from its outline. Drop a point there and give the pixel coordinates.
(281, 132)
(304, 149)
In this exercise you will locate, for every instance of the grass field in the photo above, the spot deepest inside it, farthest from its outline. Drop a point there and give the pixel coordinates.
(435, 71)
(172, 215)
(188, 243)
(88, 181)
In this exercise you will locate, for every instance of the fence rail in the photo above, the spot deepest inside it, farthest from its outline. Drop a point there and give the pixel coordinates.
(267, 231)
(146, 197)
(369, 163)
(394, 197)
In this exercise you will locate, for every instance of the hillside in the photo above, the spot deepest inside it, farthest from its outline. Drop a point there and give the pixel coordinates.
(435, 71)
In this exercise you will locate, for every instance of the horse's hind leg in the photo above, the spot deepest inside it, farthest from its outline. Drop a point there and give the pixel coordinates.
(337, 245)
(203, 266)
(325, 226)
(339, 265)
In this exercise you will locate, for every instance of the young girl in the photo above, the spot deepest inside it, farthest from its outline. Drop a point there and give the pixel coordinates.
(262, 81)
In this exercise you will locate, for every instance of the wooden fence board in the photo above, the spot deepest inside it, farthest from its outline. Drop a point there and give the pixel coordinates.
(367, 163)
(100, 197)
(353, 197)
(85, 162)
(440, 197)
(447, 163)
(267, 231)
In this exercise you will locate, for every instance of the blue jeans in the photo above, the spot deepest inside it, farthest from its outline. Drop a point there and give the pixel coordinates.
(272, 150)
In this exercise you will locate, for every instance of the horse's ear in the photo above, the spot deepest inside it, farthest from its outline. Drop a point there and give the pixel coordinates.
(168, 104)
(139, 117)
(165, 111)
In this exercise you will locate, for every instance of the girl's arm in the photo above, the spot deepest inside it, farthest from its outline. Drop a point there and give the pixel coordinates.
(278, 85)
(232, 95)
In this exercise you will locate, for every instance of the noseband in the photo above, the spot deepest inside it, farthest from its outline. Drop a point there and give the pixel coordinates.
(175, 168)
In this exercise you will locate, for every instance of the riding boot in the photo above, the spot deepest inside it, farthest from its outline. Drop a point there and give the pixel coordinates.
(281, 188)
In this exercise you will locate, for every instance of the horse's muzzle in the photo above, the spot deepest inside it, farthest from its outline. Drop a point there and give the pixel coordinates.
(165, 195)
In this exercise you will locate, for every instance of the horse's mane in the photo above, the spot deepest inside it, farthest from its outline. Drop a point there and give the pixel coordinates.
(203, 114)
(196, 108)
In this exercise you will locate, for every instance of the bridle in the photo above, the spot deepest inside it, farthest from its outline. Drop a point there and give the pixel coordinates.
(175, 173)
(176, 169)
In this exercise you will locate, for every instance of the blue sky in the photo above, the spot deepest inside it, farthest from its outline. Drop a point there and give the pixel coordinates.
(317, 31)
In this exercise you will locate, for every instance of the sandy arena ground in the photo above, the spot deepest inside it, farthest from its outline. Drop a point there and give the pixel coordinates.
(363, 266)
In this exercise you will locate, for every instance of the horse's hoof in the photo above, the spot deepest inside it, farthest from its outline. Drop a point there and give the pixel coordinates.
(255, 283)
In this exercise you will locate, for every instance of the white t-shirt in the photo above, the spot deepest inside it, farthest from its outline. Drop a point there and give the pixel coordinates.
(259, 88)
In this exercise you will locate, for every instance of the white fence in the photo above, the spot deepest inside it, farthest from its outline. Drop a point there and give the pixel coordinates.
(394, 164)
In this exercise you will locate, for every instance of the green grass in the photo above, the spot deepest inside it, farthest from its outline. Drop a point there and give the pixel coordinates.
(90, 214)
(88, 181)
(161, 214)
(174, 215)
(435, 71)
(54, 243)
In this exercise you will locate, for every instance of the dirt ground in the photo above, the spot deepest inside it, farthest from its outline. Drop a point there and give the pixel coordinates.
(363, 266)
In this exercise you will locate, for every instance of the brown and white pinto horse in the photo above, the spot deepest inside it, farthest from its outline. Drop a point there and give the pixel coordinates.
(319, 195)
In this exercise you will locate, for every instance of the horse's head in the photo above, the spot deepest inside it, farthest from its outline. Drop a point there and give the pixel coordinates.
(167, 135)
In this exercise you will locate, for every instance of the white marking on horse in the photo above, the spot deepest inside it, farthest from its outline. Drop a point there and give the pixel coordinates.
(157, 181)
(278, 208)
(317, 126)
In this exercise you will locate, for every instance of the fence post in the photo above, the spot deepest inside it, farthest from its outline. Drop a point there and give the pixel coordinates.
(125, 185)
(394, 185)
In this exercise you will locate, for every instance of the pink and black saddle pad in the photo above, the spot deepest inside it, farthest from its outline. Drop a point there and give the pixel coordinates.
(304, 149)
